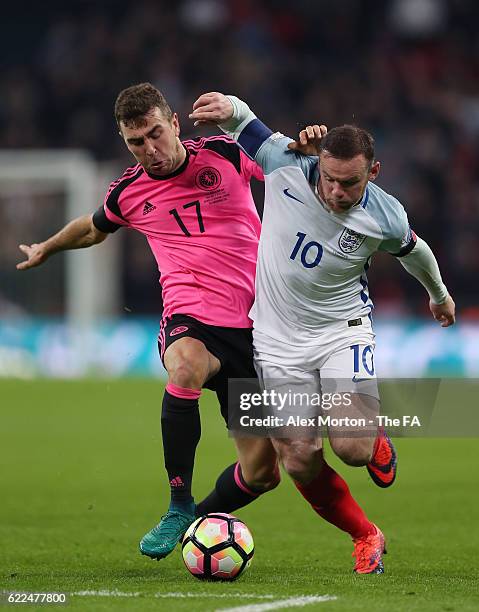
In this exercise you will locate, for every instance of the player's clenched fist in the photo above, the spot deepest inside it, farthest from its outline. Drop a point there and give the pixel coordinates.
(445, 313)
(211, 108)
(35, 253)
(309, 140)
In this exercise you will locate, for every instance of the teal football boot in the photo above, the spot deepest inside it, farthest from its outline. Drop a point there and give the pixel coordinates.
(162, 539)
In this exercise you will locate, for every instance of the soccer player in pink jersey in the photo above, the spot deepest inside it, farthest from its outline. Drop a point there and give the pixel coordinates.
(192, 201)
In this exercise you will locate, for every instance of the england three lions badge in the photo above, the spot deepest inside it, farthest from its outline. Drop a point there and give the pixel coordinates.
(350, 241)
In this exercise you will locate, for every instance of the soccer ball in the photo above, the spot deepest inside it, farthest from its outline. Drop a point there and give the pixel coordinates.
(217, 546)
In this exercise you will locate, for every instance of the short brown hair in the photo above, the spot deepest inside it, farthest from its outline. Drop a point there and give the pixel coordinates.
(347, 141)
(134, 102)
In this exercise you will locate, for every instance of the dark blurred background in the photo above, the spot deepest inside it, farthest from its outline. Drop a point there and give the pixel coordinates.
(407, 70)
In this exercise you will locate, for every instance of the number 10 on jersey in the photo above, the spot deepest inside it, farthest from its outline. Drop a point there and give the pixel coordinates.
(310, 254)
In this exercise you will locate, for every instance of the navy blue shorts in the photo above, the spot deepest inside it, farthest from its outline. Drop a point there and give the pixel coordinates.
(232, 346)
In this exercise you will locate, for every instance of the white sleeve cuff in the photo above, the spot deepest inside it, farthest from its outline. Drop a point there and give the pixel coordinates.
(242, 115)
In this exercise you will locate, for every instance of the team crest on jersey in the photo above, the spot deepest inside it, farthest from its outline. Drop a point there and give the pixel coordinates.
(350, 241)
(178, 330)
(208, 178)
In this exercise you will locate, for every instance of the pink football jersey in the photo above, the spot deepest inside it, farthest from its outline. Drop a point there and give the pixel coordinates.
(202, 226)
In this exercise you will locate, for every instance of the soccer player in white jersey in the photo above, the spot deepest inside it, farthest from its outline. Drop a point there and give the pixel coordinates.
(323, 220)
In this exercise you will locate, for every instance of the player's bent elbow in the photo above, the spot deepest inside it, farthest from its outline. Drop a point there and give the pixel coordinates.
(97, 236)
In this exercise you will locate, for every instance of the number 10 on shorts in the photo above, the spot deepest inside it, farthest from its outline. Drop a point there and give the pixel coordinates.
(363, 355)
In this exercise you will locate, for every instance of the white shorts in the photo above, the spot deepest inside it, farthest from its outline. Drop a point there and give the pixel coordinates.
(341, 362)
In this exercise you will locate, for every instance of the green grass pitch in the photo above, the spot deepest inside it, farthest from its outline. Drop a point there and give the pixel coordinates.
(82, 480)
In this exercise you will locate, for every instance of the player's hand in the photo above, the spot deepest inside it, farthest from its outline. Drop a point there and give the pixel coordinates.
(36, 255)
(445, 313)
(309, 140)
(211, 108)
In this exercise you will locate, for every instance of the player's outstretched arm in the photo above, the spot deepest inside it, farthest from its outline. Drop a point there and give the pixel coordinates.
(78, 234)
(237, 120)
(232, 114)
(422, 264)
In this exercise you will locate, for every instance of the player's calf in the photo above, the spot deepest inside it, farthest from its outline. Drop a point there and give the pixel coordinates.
(353, 451)
(233, 491)
(264, 480)
(259, 463)
(181, 431)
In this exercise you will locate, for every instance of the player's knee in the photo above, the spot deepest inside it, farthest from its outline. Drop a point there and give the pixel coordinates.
(353, 451)
(187, 371)
(187, 363)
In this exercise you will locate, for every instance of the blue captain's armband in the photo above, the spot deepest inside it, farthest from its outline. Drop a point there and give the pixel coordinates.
(253, 136)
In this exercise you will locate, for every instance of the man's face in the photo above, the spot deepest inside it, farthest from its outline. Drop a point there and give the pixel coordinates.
(153, 141)
(342, 182)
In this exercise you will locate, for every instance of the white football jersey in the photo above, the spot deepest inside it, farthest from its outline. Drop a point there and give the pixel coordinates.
(312, 262)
